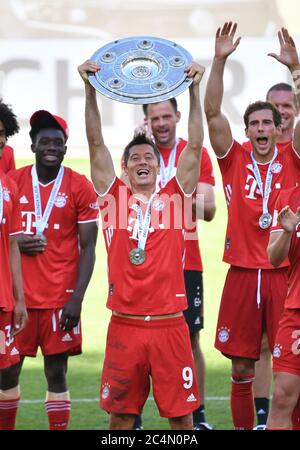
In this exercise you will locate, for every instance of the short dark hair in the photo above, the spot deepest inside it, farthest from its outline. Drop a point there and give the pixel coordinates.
(140, 139)
(279, 87)
(258, 106)
(45, 122)
(282, 87)
(9, 119)
(173, 102)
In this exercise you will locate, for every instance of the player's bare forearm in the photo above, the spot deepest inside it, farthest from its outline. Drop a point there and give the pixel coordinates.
(102, 169)
(218, 125)
(279, 243)
(20, 313)
(88, 237)
(72, 309)
(195, 121)
(278, 247)
(189, 161)
(15, 264)
(214, 89)
(219, 128)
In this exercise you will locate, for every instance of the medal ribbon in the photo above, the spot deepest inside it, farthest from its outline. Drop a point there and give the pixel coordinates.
(265, 193)
(165, 172)
(143, 222)
(40, 218)
(1, 202)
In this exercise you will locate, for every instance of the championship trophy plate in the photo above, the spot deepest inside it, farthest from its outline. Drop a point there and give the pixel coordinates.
(141, 69)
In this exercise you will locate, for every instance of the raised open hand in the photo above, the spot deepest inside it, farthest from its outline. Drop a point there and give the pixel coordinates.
(288, 52)
(225, 44)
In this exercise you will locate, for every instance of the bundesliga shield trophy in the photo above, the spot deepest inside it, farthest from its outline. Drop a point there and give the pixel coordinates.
(141, 69)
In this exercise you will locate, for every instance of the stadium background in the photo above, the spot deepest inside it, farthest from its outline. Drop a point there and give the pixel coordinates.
(41, 44)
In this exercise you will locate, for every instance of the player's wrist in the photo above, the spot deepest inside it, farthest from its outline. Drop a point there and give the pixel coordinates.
(77, 298)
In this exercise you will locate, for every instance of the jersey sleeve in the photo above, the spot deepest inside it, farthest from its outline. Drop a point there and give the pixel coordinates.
(11, 165)
(247, 145)
(86, 200)
(226, 162)
(295, 156)
(16, 218)
(206, 169)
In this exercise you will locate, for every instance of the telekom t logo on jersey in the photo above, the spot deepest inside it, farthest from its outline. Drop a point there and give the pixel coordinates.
(251, 187)
(28, 222)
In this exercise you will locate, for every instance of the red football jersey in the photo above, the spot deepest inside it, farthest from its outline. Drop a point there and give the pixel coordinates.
(246, 242)
(7, 160)
(50, 277)
(10, 224)
(291, 197)
(156, 286)
(193, 256)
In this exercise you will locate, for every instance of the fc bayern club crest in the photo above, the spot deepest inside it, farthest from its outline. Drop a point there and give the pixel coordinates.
(276, 167)
(60, 201)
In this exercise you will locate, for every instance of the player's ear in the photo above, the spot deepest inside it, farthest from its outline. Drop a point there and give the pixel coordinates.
(178, 116)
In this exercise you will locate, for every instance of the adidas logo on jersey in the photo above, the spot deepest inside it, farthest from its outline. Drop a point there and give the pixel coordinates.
(197, 321)
(191, 398)
(67, 338)
(23, 199)
(14, 351)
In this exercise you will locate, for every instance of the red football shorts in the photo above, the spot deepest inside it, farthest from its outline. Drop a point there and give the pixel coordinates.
(9, 354)
(137, 350)
(43, 331)
(252, 302)
(286, 352)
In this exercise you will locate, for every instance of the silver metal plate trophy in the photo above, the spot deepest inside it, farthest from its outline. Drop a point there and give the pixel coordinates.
(141, 69)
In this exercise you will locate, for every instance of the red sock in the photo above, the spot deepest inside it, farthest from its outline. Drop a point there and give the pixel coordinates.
(296, 416)
(8, 413)
(241, 402)
(58, 414)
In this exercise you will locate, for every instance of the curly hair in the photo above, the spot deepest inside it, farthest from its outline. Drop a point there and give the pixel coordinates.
(9, 119)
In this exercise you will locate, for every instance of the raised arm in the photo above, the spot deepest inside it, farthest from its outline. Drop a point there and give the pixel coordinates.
(189, 160)
(289, 57)
(280, 241)
(218, 125)
(102, 168)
